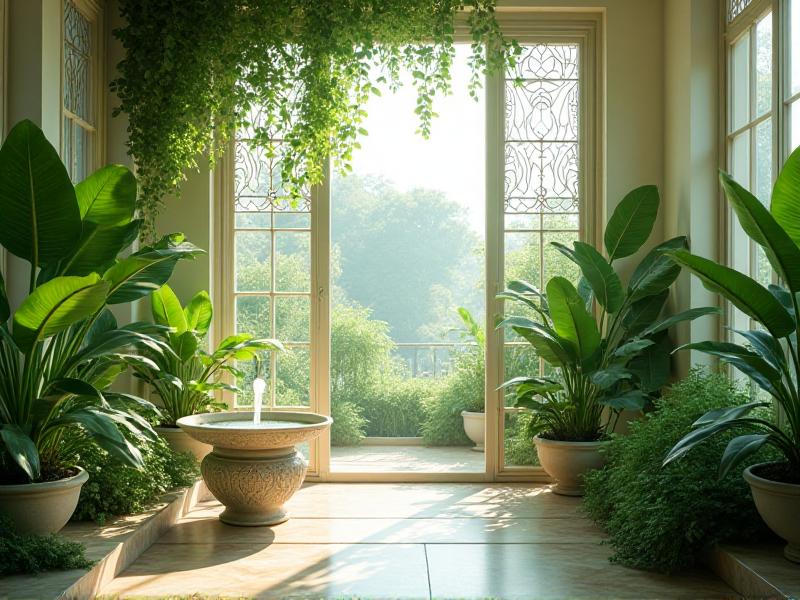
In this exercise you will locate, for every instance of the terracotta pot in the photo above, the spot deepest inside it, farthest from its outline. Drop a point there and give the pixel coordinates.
(567, 462)
(779, 505)
(42, 508)
(475, 428)
(180, 442)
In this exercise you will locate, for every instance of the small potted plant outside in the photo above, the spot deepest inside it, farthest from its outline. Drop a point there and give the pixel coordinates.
(61, 348)
(606, 364)
(768, 355)
(186, 378)
(474, 415)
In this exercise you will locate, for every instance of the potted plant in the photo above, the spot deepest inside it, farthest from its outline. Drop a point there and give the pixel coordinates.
(769, 355)
(186, 378)
(474, 415)
(61, 348)
(603, 365)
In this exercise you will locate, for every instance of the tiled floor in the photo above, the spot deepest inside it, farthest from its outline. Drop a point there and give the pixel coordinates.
(402, 541)
(406, 459)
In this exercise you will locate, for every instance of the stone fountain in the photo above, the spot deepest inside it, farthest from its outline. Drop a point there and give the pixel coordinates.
(254, 467)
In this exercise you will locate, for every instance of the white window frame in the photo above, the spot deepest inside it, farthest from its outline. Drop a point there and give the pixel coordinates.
(93, 11)
(531, 26)
(3, 91)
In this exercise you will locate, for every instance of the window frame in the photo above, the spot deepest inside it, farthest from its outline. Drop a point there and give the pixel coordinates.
(531, 25)
(93, 11)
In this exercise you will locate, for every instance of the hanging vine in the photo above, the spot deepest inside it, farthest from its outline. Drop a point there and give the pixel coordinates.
(298, 71)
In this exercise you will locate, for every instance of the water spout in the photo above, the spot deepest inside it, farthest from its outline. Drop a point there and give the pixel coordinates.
(259, 385)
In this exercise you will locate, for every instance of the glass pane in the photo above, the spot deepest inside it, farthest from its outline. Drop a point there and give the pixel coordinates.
(66, 147)
(762, 186)
(293, 262)
(518, 447)
(252, 261)
(740, 159)
(245, 383)
(794, 55)
(253, 315)
(253, 220)
(763, 270)
(293, 379)
(763, 65)
(556, 263)
(81, 159)
(562, 222)
(292, 318)
(77, 49)
(292, 220)
(795, 126)
(523, 257)
(740, 82)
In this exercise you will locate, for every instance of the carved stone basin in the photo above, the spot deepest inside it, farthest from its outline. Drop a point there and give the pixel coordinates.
(254, 468)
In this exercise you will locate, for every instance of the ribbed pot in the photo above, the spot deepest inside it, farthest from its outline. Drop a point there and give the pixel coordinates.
(42, 508)
(475, 428)
(779, 505)
(181, 442)
(568, 462)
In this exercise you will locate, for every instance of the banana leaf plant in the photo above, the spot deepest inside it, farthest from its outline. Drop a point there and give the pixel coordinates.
(603, 363)
(186, 378)
(768, 354)
(61, 348)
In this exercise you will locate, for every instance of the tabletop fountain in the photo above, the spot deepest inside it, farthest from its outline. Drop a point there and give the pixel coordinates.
(254, 467)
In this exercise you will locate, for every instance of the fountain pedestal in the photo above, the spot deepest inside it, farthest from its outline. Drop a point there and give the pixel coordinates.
(254, 468)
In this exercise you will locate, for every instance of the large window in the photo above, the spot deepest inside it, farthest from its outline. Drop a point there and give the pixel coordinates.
(80, 92)
(363, 278)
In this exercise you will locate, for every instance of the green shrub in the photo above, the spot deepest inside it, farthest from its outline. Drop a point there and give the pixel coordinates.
(115, 489)
(462, 389)
(394, 408)
(36, 553)
(348, 424)
(518, 443)
(664, 518)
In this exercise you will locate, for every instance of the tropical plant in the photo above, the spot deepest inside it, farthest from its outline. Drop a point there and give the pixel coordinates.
(186, 378)
(63, 347)
(769, 355)
(616, 362)
(664, 519)
(301, 71)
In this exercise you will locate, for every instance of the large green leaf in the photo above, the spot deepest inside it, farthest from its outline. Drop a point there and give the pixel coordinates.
(652, 364)
(199, 313)
(745, 360)
(147, 270)
(167, 309)
(643, 312)
(40, 220)
(21, 449)
(571, 320)
(632, 221)
(756, 221)
(56, 305)
(598, 273)
(686, 315)
(785, 204)
(108, 196)
(746, 294)
(740, 448)
(657, 271)
(99, 247)
(5, 309)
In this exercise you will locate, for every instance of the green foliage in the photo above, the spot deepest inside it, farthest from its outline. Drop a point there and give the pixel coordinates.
(348, 424)
(194, 70)
(186, 377)
(616, 363)
(121, 490)
(518, 442)
(37, 553)
(395, 408)
(663, 518)
(64, 348)
(770, 356)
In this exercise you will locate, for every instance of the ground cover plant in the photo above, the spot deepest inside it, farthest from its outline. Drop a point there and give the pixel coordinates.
(37, 553)
(663, 519)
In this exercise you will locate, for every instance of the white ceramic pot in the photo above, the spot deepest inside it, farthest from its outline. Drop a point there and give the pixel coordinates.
(567, 462)
(779, 505)
(181, 442)
(475, 428)
(42, 508)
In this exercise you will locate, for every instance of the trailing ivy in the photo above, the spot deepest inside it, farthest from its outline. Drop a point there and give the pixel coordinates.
(297, 70)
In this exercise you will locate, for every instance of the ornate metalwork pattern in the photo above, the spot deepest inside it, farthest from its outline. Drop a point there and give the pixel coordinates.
(257, 180)
(77, 53)
(735, 8)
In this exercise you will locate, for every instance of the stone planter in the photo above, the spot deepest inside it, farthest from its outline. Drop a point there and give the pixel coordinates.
(180, 442)
(254, 469)
(567, 462)
(779, 505)
(42, 508)
(475, 428)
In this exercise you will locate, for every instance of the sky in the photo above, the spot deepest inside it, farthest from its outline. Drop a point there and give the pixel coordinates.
(452, 160)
